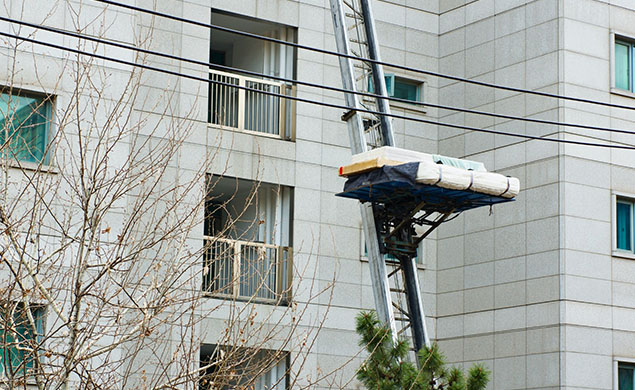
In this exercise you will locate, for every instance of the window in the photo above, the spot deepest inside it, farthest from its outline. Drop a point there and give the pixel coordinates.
(624, 65)
(24, 126)
(230, 104)
(248, 240)
(226, 367)
(625, 377)
(19, 338)
(390, 258)
(624, 214)
(399, 87)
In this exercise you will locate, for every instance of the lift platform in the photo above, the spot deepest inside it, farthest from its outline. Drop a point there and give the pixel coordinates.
(406, 211)
(395, 186)
(393, 205)
(400, 202)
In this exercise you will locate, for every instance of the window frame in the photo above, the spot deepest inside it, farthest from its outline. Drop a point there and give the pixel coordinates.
(282, 210)
(622, 197)
(287, 65)
(284, 379)
(49, 100)
(416, 105)
(34, 307)
(421, 249)
(616, 366)
(618, 37)
(417, 84)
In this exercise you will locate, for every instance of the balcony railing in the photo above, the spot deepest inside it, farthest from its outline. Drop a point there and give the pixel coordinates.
(248, 110)
(247, 270)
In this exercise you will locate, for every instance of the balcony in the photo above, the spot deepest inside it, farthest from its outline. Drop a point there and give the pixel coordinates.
(254, 111)
(247, 270)
(251, 111)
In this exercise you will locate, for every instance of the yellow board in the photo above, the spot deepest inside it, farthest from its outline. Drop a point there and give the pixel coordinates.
(367, 165)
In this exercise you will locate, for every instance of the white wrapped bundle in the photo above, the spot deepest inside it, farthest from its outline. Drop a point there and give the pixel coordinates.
(443, 176)
(495, 184)
(453, 178)
(442, 171)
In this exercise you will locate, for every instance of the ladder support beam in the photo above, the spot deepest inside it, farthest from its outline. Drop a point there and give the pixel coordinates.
(417, 317)
(378, 73)
(378, 275)
(381, 287)
(375, 247)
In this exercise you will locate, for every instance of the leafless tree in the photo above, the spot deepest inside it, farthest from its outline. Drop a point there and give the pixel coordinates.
(102, 257)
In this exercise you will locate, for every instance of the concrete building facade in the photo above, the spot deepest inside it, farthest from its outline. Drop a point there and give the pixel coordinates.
(542, 290)
(539, 289)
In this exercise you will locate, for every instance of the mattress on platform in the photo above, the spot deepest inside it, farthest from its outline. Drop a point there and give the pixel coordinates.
(441, 171)
(390, 153)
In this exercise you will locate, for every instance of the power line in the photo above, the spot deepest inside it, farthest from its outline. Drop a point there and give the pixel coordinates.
(329, 52)
(309, 84)
(303, 100)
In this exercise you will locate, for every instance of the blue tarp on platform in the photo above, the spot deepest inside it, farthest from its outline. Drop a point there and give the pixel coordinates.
(392, 185)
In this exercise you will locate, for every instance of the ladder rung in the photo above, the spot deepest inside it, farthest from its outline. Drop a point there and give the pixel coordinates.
(397, 290)
(394, 271)
(354, 26)
(405, 328)
(361, 65)
(405, 319)
(401, 310)
(354, 16)
(352, 8)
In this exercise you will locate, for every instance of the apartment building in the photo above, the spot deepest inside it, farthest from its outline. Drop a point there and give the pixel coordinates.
(540, 289)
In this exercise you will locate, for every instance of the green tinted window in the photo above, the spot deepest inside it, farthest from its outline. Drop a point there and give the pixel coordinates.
(624, 212)
(624, 225)
(399, 88)
(406, 90)
(20, 339)
(389, 84)
(623, 65)
(389, 257)
(625, 376)
(388, 79)
(24, 124)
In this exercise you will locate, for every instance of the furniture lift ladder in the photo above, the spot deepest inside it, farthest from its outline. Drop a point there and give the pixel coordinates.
(386, 230)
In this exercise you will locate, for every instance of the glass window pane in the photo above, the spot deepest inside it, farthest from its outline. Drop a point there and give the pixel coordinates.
(390, 257)
(625, 377)
(274, 379)
(16, 356)
(406, 90)
(622, 66)
(217, 57)
(24, 338)
(390, 78)
(624, 228)
(23, 122)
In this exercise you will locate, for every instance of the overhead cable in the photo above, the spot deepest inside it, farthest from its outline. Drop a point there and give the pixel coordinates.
(308, 84)
(392, 65)
(303, 100)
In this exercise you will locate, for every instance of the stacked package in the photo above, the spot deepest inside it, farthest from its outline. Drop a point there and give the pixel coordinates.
(441, 171)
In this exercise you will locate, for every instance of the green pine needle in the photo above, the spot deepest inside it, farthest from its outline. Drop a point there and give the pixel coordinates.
(387, 368)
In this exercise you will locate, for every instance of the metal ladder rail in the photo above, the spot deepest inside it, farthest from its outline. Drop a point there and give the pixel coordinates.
(372, 128)
(363, 70)
(357, 139)
(413, 318)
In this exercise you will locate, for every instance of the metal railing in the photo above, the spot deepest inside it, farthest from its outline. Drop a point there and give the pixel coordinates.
(247, 110)
(247, 270)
